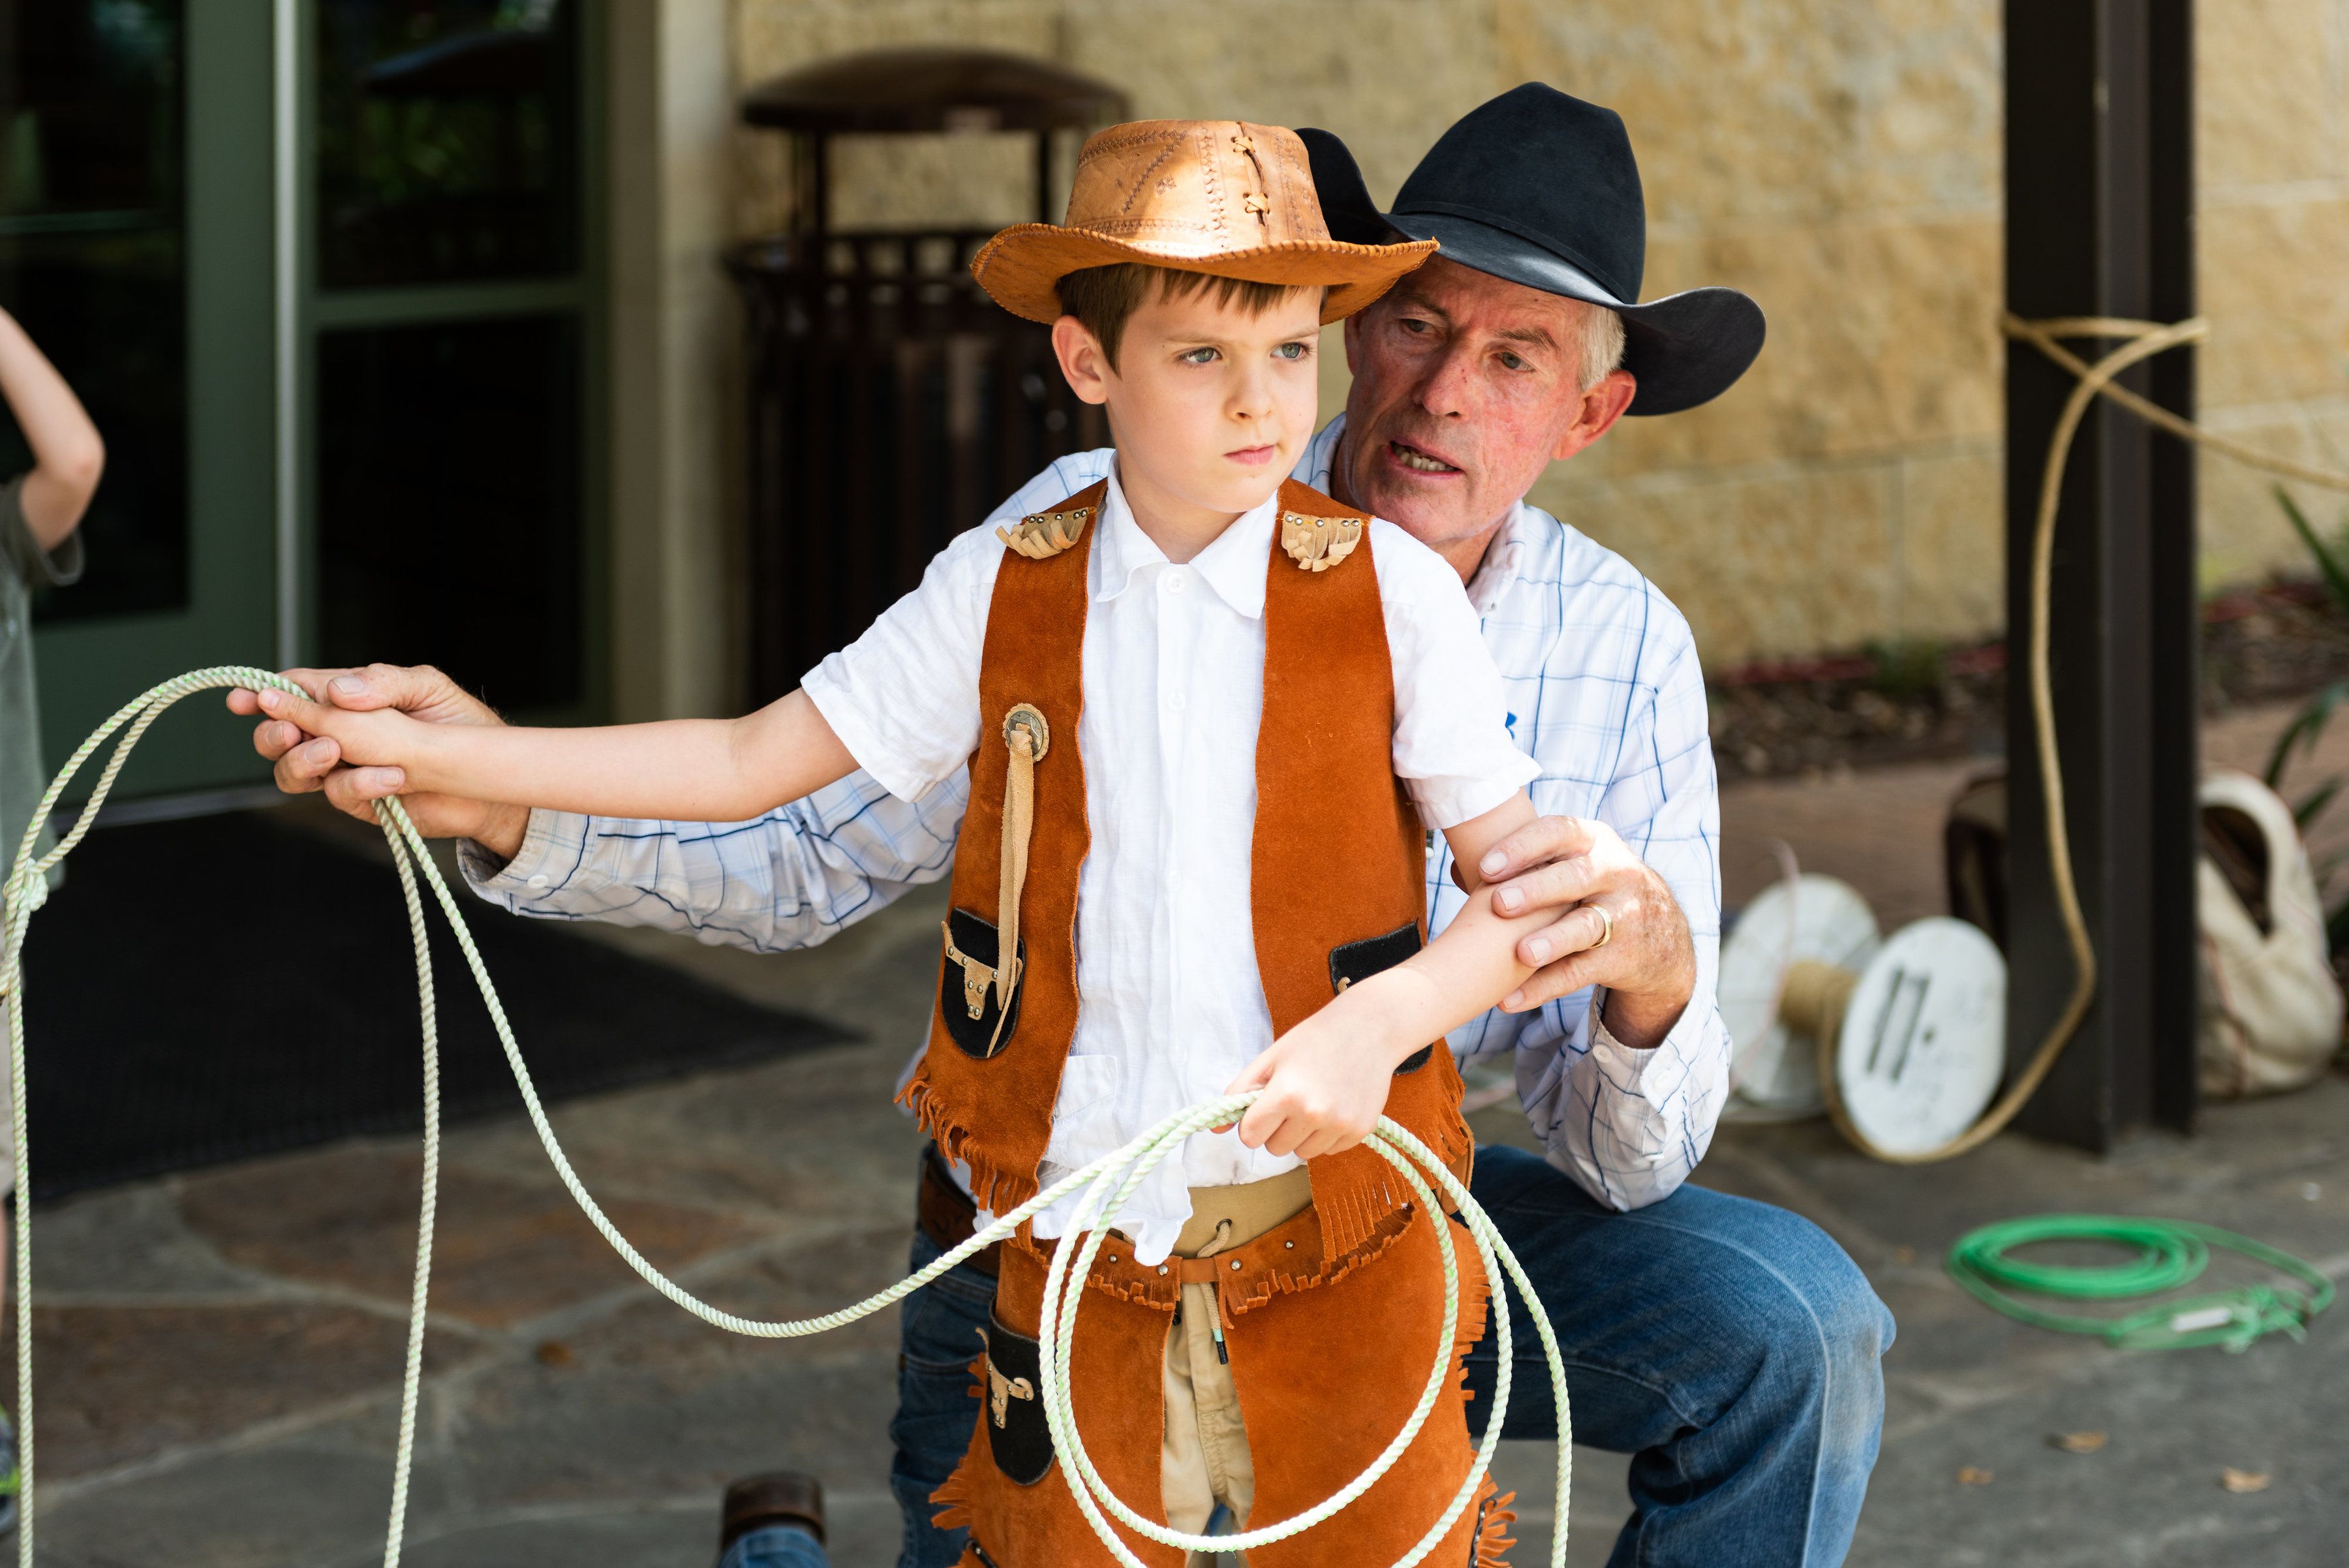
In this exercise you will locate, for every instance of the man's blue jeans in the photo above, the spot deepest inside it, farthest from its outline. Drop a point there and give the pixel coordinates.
(777, 1546)
(1728, 1346)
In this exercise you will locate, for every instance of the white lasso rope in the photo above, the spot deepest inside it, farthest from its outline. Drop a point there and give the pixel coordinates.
(1104, 1185)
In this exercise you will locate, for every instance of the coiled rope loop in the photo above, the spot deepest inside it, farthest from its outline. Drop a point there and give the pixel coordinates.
(1103, 1186)
(2168, 1253)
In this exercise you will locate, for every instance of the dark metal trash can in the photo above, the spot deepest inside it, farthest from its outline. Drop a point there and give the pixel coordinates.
(892, 404)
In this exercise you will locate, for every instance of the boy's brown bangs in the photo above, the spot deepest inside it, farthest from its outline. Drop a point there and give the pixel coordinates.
(1103, 298)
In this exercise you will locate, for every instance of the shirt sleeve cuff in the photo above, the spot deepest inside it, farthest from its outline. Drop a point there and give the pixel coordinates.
(550, 851)
(1445, 803)
(1627, 1064)
(62, 567)
(856, 732)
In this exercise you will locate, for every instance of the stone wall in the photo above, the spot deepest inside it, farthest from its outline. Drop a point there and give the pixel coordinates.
(1840, 160)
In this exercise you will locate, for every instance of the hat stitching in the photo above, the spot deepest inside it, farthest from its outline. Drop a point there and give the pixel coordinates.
(1287, 158)
(1268, 249)
(1135, 194)
(1214, 188)
(1142, 224)
(1111, 141)
(1245, 145)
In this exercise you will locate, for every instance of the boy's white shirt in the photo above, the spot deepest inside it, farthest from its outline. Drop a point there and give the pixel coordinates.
(1171, 1005)
(1609, 698)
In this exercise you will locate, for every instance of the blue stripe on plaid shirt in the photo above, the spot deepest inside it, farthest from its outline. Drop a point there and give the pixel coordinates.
(1605, 692)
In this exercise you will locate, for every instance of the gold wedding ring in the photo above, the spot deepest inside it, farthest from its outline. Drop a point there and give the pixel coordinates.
(1607, 920)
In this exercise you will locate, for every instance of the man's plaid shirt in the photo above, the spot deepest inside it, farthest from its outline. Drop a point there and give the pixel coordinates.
(1604, 692)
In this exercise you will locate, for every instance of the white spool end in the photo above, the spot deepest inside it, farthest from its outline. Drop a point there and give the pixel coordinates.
(1774, 1072)
(1923, 1042)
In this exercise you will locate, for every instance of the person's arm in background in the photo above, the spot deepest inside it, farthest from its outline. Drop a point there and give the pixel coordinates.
(69, 455)
(789, 878)
(1628, 1122)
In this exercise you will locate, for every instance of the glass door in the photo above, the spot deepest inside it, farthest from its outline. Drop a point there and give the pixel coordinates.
(451, 309)
(327, 275)
(135, 245)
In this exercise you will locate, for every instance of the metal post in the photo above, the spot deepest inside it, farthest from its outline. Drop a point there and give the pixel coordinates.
(2099, 222)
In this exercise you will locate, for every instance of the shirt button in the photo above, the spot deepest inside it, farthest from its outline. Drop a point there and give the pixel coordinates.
(1176, 702)
(538, 880)
(1174, 581)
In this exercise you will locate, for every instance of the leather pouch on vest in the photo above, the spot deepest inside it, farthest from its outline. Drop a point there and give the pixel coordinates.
(1017, 1434)
(967, 999)
(1353, 962)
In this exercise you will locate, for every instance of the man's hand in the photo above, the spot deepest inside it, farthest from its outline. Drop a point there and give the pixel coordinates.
(1648, 962)
(307, 763)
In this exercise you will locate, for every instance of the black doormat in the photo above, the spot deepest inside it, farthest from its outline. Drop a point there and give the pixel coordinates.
(223, 987)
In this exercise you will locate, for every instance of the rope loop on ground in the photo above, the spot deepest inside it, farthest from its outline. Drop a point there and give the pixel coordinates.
(1103, 1188)
(2168, 1253)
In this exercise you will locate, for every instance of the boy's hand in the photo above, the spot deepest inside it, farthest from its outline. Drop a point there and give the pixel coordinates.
(1324, 1087)
(383, 737)
(306, 763)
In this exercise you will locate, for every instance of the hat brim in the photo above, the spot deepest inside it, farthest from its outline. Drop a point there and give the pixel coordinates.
(1683, 350)
(1021, 267)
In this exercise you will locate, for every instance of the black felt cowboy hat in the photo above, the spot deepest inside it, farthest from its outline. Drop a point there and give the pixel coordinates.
(1541, 189)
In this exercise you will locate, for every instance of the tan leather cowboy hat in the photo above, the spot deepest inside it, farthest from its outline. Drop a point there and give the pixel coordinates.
(1217, 196)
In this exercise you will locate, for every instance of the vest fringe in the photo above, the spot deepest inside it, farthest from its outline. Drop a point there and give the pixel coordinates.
(951, 1503)
(1165, 1293)
(1354, 1202)
(1492, 1542)
(1476, 1308)
(1336, 1266)
(993, 1187)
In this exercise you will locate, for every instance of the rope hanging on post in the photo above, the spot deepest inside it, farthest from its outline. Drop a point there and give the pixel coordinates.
(2140, 340)
(1102, 1187)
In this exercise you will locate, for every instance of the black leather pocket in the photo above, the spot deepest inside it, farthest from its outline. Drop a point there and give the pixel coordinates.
(976, 1034)
(1355, 962)
(1011, 1406)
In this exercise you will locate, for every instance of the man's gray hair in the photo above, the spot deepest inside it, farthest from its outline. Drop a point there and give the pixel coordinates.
(1602, 344)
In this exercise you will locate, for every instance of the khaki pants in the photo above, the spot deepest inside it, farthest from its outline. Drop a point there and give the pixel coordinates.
(1204, 1458)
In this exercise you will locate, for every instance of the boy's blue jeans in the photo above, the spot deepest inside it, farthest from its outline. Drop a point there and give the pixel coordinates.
(1728, 1346)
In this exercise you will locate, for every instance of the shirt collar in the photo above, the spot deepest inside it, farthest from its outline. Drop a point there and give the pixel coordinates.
(1320, 454)
(1234, 565)
(1505, 558)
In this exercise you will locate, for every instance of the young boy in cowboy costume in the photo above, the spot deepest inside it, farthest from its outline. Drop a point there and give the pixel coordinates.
(1175, 691)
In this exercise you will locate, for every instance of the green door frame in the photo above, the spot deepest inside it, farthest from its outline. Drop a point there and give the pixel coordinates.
(90, 668)
(254, 317)
(309, 311)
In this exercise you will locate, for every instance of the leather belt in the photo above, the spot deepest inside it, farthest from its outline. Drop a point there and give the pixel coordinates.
(947, 1215)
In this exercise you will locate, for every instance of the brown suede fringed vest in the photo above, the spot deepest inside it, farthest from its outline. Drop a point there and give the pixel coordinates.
(1338, 865)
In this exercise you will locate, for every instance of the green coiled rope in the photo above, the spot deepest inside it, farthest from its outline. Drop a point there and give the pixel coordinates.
(1102, 1186)
(2169, 1253)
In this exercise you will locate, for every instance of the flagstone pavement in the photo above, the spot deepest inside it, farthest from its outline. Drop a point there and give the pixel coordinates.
(218, 1352)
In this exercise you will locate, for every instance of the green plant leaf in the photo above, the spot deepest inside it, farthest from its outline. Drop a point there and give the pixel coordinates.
(2336, 926)
(2336, 577)
(2312, 807)
(2303, 731)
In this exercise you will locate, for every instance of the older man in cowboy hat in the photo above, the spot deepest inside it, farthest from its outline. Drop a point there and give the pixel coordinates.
(1728, 1346)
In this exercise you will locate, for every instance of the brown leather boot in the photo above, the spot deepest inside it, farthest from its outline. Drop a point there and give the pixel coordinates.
(782, 1496)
